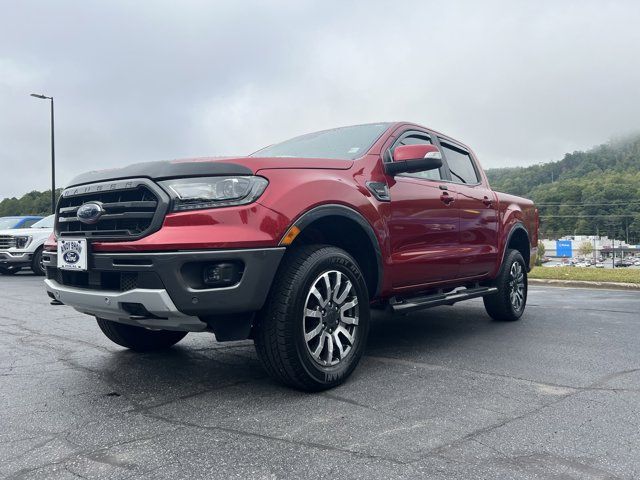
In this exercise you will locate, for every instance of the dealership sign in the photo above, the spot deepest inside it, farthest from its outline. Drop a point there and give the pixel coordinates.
(563, 248)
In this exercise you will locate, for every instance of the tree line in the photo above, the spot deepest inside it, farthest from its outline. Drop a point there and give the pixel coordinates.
(586, 193)
(32, 203)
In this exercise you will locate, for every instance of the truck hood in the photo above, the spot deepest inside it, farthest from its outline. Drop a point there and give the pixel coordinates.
(34, 232)
(208, 166)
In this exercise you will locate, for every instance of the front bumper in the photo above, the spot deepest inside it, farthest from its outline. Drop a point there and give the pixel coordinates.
(15, 259)
(109, 305)
(161, 283)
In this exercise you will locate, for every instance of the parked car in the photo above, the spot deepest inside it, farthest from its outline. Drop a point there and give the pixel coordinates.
(22, 247)
(622, 263)
(291, 246)
(24, 221)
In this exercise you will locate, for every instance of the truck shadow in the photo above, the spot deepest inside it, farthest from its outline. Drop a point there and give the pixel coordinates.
(199, 364)
(435, 328)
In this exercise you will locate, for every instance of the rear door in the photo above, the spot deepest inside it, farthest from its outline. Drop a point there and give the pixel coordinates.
(423, 223)
(477, 209)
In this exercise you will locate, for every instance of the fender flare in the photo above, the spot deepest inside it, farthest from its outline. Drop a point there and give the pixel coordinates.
(327, 210)
(517, 226)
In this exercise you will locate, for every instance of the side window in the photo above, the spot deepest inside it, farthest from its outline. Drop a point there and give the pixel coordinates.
(417, 139)
(460, 165)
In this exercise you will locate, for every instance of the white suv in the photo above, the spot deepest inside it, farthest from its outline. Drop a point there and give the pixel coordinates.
(22, 247)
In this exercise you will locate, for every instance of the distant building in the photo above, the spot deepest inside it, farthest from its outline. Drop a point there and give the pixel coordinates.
(568, 246)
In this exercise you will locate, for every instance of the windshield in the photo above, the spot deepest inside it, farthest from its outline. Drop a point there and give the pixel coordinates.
(346, 143)
(8, 222)
(46, 222)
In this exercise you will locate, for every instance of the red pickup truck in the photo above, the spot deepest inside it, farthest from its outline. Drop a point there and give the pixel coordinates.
(291, 246)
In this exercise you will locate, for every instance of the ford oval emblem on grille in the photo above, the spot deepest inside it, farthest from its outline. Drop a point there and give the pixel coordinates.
(90, 212)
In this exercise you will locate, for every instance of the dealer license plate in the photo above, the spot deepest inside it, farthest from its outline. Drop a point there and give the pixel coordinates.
(72, 254)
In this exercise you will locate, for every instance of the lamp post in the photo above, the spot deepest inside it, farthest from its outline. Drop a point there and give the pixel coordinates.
(53, 154)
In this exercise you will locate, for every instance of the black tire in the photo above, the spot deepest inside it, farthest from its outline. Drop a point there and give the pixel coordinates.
(279, 333)
(138, 338)
(503, 305)
(9, 271)
(36, 263)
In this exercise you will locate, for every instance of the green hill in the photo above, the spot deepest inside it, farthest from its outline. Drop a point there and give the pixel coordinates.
(597, 191)
(32, 203)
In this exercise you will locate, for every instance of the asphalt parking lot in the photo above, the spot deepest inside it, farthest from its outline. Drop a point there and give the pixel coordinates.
(445, 393)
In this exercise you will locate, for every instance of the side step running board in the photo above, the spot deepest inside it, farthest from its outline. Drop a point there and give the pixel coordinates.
(410, 304)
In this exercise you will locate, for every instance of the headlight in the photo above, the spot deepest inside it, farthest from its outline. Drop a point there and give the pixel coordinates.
(22, 241)
(213, 192)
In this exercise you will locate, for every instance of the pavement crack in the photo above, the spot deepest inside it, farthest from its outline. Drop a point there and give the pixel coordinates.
(339, 398)
(96, 455)
(430, 366)
(597, 385)
(483, 430)
(271, 438)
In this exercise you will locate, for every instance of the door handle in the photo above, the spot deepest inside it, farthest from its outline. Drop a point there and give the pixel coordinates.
(446, 198)
(487, 201)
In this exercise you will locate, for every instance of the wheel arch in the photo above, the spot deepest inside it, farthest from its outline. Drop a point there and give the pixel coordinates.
(346, 228)
(518, 239)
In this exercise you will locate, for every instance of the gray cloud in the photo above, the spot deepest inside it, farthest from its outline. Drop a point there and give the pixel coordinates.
(521, 82)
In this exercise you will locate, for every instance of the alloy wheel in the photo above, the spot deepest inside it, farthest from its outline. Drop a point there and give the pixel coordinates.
(516, 286)
(330, 319)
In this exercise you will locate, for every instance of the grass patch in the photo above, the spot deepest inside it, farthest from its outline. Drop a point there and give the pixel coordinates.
(626, 275)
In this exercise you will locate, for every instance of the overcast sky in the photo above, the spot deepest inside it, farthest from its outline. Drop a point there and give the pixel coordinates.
(521, 82)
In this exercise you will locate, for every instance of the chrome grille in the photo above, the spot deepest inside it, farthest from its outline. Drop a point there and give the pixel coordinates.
(7, 241)
(132, 209)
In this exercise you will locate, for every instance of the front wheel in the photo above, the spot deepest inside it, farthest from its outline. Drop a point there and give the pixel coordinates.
(138, 338)
(508, 303)
(312, 331)
(37, 263)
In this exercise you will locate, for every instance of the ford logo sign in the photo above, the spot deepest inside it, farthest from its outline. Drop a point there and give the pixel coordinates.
(90, 212)
(71, 257)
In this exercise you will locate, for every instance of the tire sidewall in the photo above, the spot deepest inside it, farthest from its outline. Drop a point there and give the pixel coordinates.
(346, 265)
(35, 263)
(514, 257)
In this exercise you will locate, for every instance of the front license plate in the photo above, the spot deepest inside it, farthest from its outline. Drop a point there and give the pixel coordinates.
(72, 254)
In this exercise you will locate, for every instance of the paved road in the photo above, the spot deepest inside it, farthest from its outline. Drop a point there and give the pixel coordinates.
(445, 393)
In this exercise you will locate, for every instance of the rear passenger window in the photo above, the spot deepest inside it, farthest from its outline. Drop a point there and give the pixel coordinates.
(460, 165)
(417, 139)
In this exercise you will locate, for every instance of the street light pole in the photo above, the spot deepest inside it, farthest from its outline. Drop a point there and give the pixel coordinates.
(53, 153)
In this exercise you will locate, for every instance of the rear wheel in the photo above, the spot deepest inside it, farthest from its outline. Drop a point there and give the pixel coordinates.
(511, 298)
(312, 331)
(37, 263)
(138, 338)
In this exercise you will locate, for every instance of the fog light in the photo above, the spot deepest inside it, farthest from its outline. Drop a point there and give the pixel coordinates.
(221, 274)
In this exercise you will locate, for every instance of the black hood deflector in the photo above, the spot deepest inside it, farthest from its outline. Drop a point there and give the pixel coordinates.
(163, 170)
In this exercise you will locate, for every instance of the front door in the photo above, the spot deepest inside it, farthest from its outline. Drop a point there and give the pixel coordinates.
(423, 225)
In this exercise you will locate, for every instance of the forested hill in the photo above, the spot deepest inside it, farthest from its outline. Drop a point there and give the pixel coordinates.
(597, 191)
(32, 203)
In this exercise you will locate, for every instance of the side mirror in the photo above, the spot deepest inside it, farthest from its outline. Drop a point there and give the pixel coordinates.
(414, 158)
